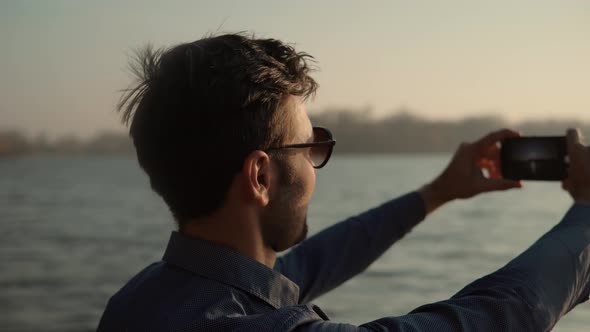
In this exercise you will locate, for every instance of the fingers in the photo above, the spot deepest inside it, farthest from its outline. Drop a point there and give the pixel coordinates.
(573, 136)
(500, 184)
(577, 182)
(574, 140)
(493, 137)
(491, 166)
(492, 152)
(490, 160)
(575, 147)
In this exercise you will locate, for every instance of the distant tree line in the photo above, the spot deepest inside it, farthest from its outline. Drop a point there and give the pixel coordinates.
(14, 142)
(404, 132)
(355, 131)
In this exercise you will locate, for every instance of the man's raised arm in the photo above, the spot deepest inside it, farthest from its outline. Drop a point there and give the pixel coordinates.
(343, 250)
(531, 293)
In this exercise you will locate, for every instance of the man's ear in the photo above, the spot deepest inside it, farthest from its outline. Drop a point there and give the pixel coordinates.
(257, 174)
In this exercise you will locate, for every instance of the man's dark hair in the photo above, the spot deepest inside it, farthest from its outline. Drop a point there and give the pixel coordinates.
(200, 108)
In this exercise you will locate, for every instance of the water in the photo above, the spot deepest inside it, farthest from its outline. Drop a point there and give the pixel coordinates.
(75, 229)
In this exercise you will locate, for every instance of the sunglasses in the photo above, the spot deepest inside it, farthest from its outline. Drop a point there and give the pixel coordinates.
(321, 148)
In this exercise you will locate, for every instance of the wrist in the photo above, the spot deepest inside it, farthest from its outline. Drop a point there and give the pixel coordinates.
(433, 195)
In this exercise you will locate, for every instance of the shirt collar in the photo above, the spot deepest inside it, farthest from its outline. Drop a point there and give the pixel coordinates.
(225, 265)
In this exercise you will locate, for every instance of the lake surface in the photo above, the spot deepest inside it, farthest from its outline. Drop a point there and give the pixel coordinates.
(75, 229)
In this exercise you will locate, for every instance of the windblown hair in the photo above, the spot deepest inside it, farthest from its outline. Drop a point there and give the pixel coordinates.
(200, 108)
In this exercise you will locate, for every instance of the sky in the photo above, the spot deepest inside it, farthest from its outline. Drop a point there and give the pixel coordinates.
(63, 63)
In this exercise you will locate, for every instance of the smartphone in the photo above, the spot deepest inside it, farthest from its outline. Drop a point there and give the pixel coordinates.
(541, 158)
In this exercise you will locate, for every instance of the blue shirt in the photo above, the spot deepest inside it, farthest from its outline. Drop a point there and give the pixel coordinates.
(201, 286)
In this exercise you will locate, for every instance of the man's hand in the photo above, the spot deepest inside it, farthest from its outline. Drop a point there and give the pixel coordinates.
(577, 182)
(464, 178)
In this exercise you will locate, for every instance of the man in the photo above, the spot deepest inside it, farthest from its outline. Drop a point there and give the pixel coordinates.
(220, 128)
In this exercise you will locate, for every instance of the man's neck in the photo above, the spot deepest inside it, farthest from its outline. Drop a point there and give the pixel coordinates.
(240, 232)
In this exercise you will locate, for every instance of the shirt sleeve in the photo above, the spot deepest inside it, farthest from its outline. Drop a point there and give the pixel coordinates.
(530, 293)
(345, 249)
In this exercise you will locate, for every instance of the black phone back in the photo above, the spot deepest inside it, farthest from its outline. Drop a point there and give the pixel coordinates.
(534, 158)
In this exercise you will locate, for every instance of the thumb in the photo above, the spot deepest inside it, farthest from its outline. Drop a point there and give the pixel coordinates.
(574, 143)
(500, 184)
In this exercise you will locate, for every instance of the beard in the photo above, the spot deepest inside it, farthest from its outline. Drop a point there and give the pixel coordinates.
(284, 222)
(283, 228)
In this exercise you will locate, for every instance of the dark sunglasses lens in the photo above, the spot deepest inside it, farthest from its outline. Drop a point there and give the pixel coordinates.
(320, 135)
(320, 153)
